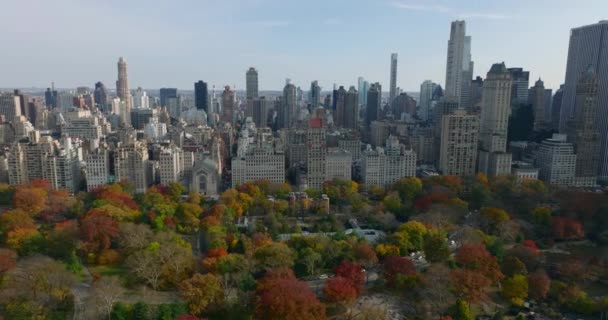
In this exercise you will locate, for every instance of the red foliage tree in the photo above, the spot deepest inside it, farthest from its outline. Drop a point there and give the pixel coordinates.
(530, 244)
(470, 285)
(339, 289)
(476, 257)
(393, 266)
(97, 230)
(280, 295)
(216, 253)
(8, 260)
(538, 285)
(567, 228)
(29, 199)
(353, 273)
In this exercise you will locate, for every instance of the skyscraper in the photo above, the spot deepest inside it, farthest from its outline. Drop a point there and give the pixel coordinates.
(363, 86)
(373, 105)
(556, 106)
(351, 109)
(339, 101)
(315, 94)
(122, 84)
(459, 69)
(459, 138)
(583, 132)
(50, 98)
(201, 96)
(289, 110)
(426, 98)
(228, 102)
(251, 83)
(495, 111)
(101, 96)
(10, 106)
(520, 83)
(165, 94)
(588, 46)
(393, 84)
(536, 97)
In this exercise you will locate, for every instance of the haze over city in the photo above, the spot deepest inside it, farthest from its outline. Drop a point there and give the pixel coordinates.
(170, 44)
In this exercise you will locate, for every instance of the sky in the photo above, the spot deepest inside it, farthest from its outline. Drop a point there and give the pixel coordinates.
(175, 43)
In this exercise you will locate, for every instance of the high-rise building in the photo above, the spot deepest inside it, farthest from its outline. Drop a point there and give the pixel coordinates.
(556, 106)
(459, 70)
(403, 106)
(495, 112)
(583, 132)
(101, 96)
(340, 110)
(351, 109)
(588, 46)
(50, 96)
(252, 83)
(10, 106)
(165, 94)
(476, 94)
(315, 94)
(373, 104)
(556, 161)
(425, 100)
(170, 164)
(173, 104)
(338, 164)
(393, 84)
(97, 168)
(289, 109)
(520, 82)
(131, 164)
(316, 152)
(201, 96)
(141, 99)
(363, 86)
(384, 166)
(262, 159)
(228, 105)
(536, 97)
(259, 110)
(122, 84)
(459, 138)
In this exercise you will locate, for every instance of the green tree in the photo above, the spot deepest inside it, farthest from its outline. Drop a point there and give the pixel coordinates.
(274, 255)
(120, 311)
(436, 246)
(462, 311)
(141, 311)
(310, 259)
(515, 289)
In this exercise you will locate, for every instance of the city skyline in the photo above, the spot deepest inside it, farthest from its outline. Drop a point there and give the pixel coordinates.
(296, 48)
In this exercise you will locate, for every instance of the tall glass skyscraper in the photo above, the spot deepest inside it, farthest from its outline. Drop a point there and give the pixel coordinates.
(588, 47)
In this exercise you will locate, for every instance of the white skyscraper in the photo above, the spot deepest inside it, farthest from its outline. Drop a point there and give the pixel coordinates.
(393, 85)
(495, 112)
(459, 69)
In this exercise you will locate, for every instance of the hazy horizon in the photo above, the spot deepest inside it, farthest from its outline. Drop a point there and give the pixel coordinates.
(166, 45)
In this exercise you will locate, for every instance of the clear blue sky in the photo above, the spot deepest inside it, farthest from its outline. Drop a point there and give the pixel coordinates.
(174, 43)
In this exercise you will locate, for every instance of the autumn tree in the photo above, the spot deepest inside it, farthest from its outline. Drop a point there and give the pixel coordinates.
(470, 285)
(365, 254)
(512, 266)
(409, 236)
(274, 255)
(515, 289)
(436, 246)
(475, 257)
(105, 292)
(201, 292)
(394, 267)
(43, 284)
(538, 285)
(387, 250)
(408, 188)
(492, 218)
(280, 295)
(30, 199)
(340, 290)
(8, 261)
(15, 219)
(97, 230)
(462, 311)
(436, 292)
(567, 229)
(353, 273)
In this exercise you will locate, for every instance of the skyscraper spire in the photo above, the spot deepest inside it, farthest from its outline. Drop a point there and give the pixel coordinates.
(122, 84)
(393, 84)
